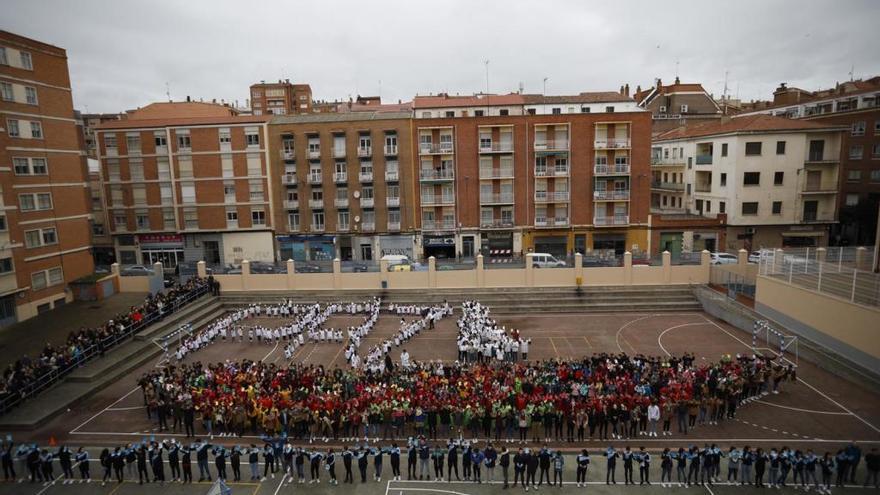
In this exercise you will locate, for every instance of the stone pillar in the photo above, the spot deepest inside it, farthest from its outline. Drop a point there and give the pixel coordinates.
(481, 274)
(432, 272)
(530, 271)
(383, 271)
(861, 256)
(705, 264)
(667, 267)
(246, 275)
(742, 259)
(291, 275)
(627, 268)
(201, 269)
(821, 254)
(337, 273)
(778, 261)
(114, 269)
(578, 269)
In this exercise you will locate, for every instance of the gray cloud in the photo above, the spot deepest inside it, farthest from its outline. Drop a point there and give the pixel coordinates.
(121, 54)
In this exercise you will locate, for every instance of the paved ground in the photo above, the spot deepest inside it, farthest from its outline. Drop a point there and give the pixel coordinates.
(30, 336)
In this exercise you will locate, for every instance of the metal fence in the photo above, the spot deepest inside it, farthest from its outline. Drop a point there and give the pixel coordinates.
(838, 277)
(735, 284)
(52, 375)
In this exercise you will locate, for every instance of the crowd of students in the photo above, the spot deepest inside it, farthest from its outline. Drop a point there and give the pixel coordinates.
(529, 468)
(20, 376)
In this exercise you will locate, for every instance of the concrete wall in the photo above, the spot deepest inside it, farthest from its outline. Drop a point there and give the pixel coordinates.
(846, 328)
(628, 274)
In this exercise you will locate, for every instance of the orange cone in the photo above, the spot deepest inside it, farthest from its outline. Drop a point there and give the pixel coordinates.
(52, 441)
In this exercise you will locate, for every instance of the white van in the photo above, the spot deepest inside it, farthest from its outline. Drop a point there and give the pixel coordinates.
(396, 259)
(544, 260)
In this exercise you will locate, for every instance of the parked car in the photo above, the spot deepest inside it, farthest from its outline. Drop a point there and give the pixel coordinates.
(137, 270)
(360, 268)
(262, 267)
(544, 260)
(306, 268)
(723, 259)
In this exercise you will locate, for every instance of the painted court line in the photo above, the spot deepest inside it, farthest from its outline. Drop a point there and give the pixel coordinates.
(673, 328)
(105, 409)
(802, 410)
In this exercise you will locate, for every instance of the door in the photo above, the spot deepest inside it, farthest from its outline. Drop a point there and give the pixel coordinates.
(366, 252)
(814, 180)
(671, 242)
(467, 246)
(811, 209)
(817, 150)
(212, 252)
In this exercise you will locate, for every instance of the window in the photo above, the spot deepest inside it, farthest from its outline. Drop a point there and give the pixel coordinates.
(120, 221)
(854, 175)
(12, 128)
(723, 149)
(190, 218)
(877, 127)
(160, 138)
(684, 109)
(504, 112)
(722, 206)
(142, 220)
(168, 218)
(35, 201)
(858, 128)
(97, 229)
(751, 178)
(36, 130)
(231, 218)
(723, 179)
(556, 110)
(318, 220)
(40, 237)
(6, 92)
(183, 141)
(188, 192)
(342, 219)
(585, 109)
(258, 217)
(26, 62)
(110, 143)
(780, 147)
(225, 136)
(3, 59)
(662, 108)
(253, 136)
(293, 220)
(46, 278)
(875, 175)
(777, 178)
(477, 113)
(133, 143)
(750, 208)
(855, 152)
(2, 223)
(753, 148)
(777, 207)
(875, 151)
(852, 200)
(136, 169)
(450, 114)
(255, 187)
(30, 95)
(6, 265)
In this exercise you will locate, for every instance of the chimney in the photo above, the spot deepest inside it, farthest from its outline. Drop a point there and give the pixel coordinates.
(659, 84)
(677, 81)
(638, 89)
(214, 100)
(188, 99)
(626, 90)
(621, 89)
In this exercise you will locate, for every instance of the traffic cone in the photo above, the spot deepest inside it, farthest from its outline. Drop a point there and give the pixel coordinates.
(52, 441)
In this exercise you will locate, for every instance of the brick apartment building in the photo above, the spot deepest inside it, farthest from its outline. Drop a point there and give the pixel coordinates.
(44, 226)
(186, 182)
(677, 104)
(856, 106)
(281, 98)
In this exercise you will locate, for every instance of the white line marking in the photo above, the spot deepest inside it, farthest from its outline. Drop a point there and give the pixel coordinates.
(280, 484)
(270, 352)
(102, 410)
(838, 404)
(50, 485)
(709, 489)
(673, 328)
(132, 408)
(619, 330)
(759, 401)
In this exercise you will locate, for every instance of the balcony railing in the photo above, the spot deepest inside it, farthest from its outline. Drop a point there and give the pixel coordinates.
(288, 179)
(667, 162)
(819, 189)
(438, 225)
(341, 202)
(496, 147)
(436, 174)
(551, 172)
(287, 154)
(368, 226)
(315, 154)
(670, 186)
(435, 149)
(291, 204)
(612, 143)
(365, 151)
(314, 178)
(343, 227)
(340, 177)
(703, 188)
(496, 198)
(338, 152)
(293, 227)
(551, 196)
(365, 176)
(610, 221)
(496, 173)
(392, 176)
(316, 203)
(496, 224)
(390, 150)
(551, 222)
(392, 202)
(553, 145)
(317, 227)
(435, 200)
(616, 169)
(394, 226)
(819, 158)
(611, 195)
(704, 160)
(367, 202)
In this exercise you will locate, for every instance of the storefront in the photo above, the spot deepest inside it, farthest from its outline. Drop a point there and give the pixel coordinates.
(306, 247)
(497, 244)
(616, 242)
(161, 248)
(557, 245)
(397, 245)
(439, 246)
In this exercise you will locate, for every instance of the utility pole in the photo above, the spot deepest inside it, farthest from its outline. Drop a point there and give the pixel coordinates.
(545, 86)
(486, 62)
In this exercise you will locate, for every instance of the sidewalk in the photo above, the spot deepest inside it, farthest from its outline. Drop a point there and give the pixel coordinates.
(30, 337)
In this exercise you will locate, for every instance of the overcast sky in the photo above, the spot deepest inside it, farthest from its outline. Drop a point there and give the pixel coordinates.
(122, 53)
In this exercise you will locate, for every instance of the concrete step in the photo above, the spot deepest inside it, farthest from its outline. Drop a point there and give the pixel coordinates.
(195, 310)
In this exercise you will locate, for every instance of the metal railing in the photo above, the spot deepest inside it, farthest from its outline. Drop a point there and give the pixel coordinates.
(496, 198)
(499, 173)
(615, 169)
(498, 147)
(442, 148)
(551, 145)
(611, 143)
(551, 172)
(612, 195)
(54, 374)
(436, 174)
(613, 220)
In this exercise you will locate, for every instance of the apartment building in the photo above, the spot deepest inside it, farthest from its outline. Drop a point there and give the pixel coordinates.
(187, 181)
(89, 122)
(677, 104)
(856, 106)
(775, 179)
(281, 98)
(44, 198)
(344, 185)
(511, 174)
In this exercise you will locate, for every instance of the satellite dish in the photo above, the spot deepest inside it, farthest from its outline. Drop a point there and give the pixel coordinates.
(357, 194)
(357, 218)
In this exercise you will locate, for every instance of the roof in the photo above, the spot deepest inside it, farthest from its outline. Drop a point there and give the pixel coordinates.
(374, 107)
(645, 96)
(182, 121)
(585, 97)
(744, 124)
(808, 97)
(174, 109)
(446, 101)
(338, 117)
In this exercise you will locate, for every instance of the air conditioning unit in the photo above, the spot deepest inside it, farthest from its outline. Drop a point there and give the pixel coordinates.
(750, 230)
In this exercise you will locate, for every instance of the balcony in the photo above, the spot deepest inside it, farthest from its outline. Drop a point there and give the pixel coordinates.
(438, 225)
(343, 227)
(496, 173)
(287, 154)
(317, 227)
(813, 217)
(611, 144)
(814, 189)
(667, 162)
(551, 171)
(291, 204)
(436, 175)
(394, 226)
(338, 152)
(293, 227)
(667, 186)
(313, 154)
(496, 147)
(819, 159)
(391, 150)
(316, 204)
(554, 145)
(368, 226)
(436, 149)
(391, 176)
(392, 202)
(616, 169)
(367, 202)
(496, 198)
(551, 196)
(703, 188)
(438, 200)
(704, 160)
(611, 221)
(341, 202)
(551, 222)
(365, 176)
(365, 151)
(611, 195)
(496, 223)
(315, 178)
(288, 179)
(340, 177)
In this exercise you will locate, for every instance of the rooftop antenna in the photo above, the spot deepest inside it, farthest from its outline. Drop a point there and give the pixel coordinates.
(676, 67)
(545, 85)
(486, 62)
(380, 89)
(852, 71)
(724, 95)
(168, 91)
